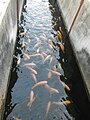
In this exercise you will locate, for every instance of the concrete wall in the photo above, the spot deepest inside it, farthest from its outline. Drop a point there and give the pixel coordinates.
(8, 32)
(80, 34)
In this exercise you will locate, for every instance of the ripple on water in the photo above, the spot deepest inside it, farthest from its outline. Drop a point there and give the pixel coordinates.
(36, 25)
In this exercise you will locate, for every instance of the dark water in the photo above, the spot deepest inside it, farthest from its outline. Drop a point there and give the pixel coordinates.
(38, 28)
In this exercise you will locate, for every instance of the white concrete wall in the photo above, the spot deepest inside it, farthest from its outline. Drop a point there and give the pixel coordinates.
(80, 34)
(8, 32)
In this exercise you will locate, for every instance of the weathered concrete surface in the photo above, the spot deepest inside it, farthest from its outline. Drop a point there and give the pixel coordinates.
(80, 34)
(19, 7)
(8, 31)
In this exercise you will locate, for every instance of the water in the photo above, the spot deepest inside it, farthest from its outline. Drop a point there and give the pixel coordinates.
(38, 28)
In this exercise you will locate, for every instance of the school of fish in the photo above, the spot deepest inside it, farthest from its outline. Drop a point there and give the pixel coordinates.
(45, 57)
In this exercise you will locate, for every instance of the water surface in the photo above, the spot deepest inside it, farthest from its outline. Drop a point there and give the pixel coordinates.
(38, 28)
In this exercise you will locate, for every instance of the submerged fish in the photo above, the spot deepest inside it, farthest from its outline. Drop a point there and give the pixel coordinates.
(29, 64)
(15, 118)
(49, 74)
(48, 57)
(38, 50)
(18, 60)
(66, 102)
(57, 103)
(62, 47)
(51, 58)
(59, 18)
(44, 54)
(39, 83)
(50, 46)
(51, 89)
(65, 86)
(34, 78)
(43, 37)
(32, 70)
(60, 29)
(31, 98)
(37, 38)
(26, 56)
(22, 33)
(22, 44)
(54, 24)
(54, 72)
(29, 40)
(37, 44)
(37, 54)
(54, 43)
(59, 35)
(48, 107)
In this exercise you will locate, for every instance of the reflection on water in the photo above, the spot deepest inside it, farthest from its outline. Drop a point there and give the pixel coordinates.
(38, 92)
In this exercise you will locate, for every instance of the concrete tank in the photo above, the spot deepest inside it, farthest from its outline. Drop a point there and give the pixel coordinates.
(10, 11)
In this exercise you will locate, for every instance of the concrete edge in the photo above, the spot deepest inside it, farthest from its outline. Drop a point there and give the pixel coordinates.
(75, 36)
(8, 27)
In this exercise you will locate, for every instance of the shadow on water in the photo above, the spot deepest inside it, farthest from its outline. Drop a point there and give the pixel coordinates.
(13, 79)
(18, 89)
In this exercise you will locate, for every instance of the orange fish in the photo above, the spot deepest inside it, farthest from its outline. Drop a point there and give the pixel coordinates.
(47, 58)
(65, 86)
(39, 83)
(54, 72)
(51, 58)
(59, 35)
(54, 43)
(44, 54)
(60, 29)
(34, 77)
(31, 98)
(66, 102)
(22, 44)
(51, 89)
(57, 103)
(54, 24)
(53, 21)
(62, 47)
(38, 54)
(18, 60)
(59, 18)
(32, 70)
(22, 33)
(50, 46)
(37, 44)
(29, 64)
(26, 56)
(49, 74)
(48, 107)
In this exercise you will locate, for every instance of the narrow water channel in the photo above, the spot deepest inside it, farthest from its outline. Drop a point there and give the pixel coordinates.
(40, 83)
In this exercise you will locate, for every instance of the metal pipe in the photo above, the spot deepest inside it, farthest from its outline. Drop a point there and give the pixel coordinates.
(77, 13)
